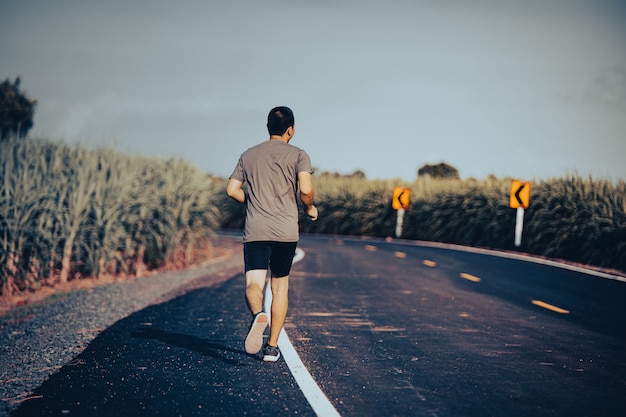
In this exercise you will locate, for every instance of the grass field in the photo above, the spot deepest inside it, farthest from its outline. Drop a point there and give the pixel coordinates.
(68, 213)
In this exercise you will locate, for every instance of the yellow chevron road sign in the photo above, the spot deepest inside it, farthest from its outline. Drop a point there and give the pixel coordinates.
(401, 198)
(520, 194)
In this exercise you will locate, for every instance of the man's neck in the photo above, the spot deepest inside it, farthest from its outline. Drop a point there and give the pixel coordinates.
(283, 138)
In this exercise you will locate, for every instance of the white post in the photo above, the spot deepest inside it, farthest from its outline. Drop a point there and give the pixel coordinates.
(519, 225)
(399, 221)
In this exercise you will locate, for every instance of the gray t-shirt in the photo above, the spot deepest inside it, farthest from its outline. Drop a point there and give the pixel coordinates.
(269, 171)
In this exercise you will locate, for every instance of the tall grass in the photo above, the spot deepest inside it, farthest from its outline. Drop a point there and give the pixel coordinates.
(579, 219)
(352, 206)
(68, 212)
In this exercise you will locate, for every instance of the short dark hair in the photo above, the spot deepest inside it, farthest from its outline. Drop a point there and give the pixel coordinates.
(279, 120)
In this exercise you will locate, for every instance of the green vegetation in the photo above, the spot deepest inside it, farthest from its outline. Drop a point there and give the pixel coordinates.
(69, 213)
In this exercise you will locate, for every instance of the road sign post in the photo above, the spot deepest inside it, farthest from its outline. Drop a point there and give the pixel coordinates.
(399, 221)
(519, 199)
(400, 202)
(519, 226)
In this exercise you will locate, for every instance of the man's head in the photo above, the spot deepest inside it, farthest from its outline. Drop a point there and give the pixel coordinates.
(279, 120)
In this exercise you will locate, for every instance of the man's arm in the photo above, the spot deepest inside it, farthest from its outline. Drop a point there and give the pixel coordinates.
(306, 194)
(234, 190)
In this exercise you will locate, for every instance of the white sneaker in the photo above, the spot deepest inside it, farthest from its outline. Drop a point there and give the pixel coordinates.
(254, 340)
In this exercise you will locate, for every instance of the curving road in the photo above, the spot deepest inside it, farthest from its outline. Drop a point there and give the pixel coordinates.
(385, 328)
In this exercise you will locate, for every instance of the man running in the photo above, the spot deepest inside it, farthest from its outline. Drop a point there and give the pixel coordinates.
(272, 172)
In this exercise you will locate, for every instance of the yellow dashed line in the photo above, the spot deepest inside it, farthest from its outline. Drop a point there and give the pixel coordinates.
(371, 248)
(387, 329)
(469, 277)
(400, 254)
(550, 307)
(432, 264)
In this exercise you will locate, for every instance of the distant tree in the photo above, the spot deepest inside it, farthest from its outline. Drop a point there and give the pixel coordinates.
(358, 174)
(441, 170)
(16, 110)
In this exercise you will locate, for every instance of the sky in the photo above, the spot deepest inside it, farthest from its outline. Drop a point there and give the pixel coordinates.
(532, 89)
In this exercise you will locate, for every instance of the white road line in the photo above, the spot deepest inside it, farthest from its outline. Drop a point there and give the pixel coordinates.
(312, 392)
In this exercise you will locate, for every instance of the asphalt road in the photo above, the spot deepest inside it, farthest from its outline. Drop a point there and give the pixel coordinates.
(384, 328)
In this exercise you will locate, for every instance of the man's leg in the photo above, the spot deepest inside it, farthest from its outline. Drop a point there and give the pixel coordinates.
(280, 302)
(255, 284)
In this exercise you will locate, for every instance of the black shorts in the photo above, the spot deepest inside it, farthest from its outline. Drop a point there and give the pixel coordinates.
(278, 256)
